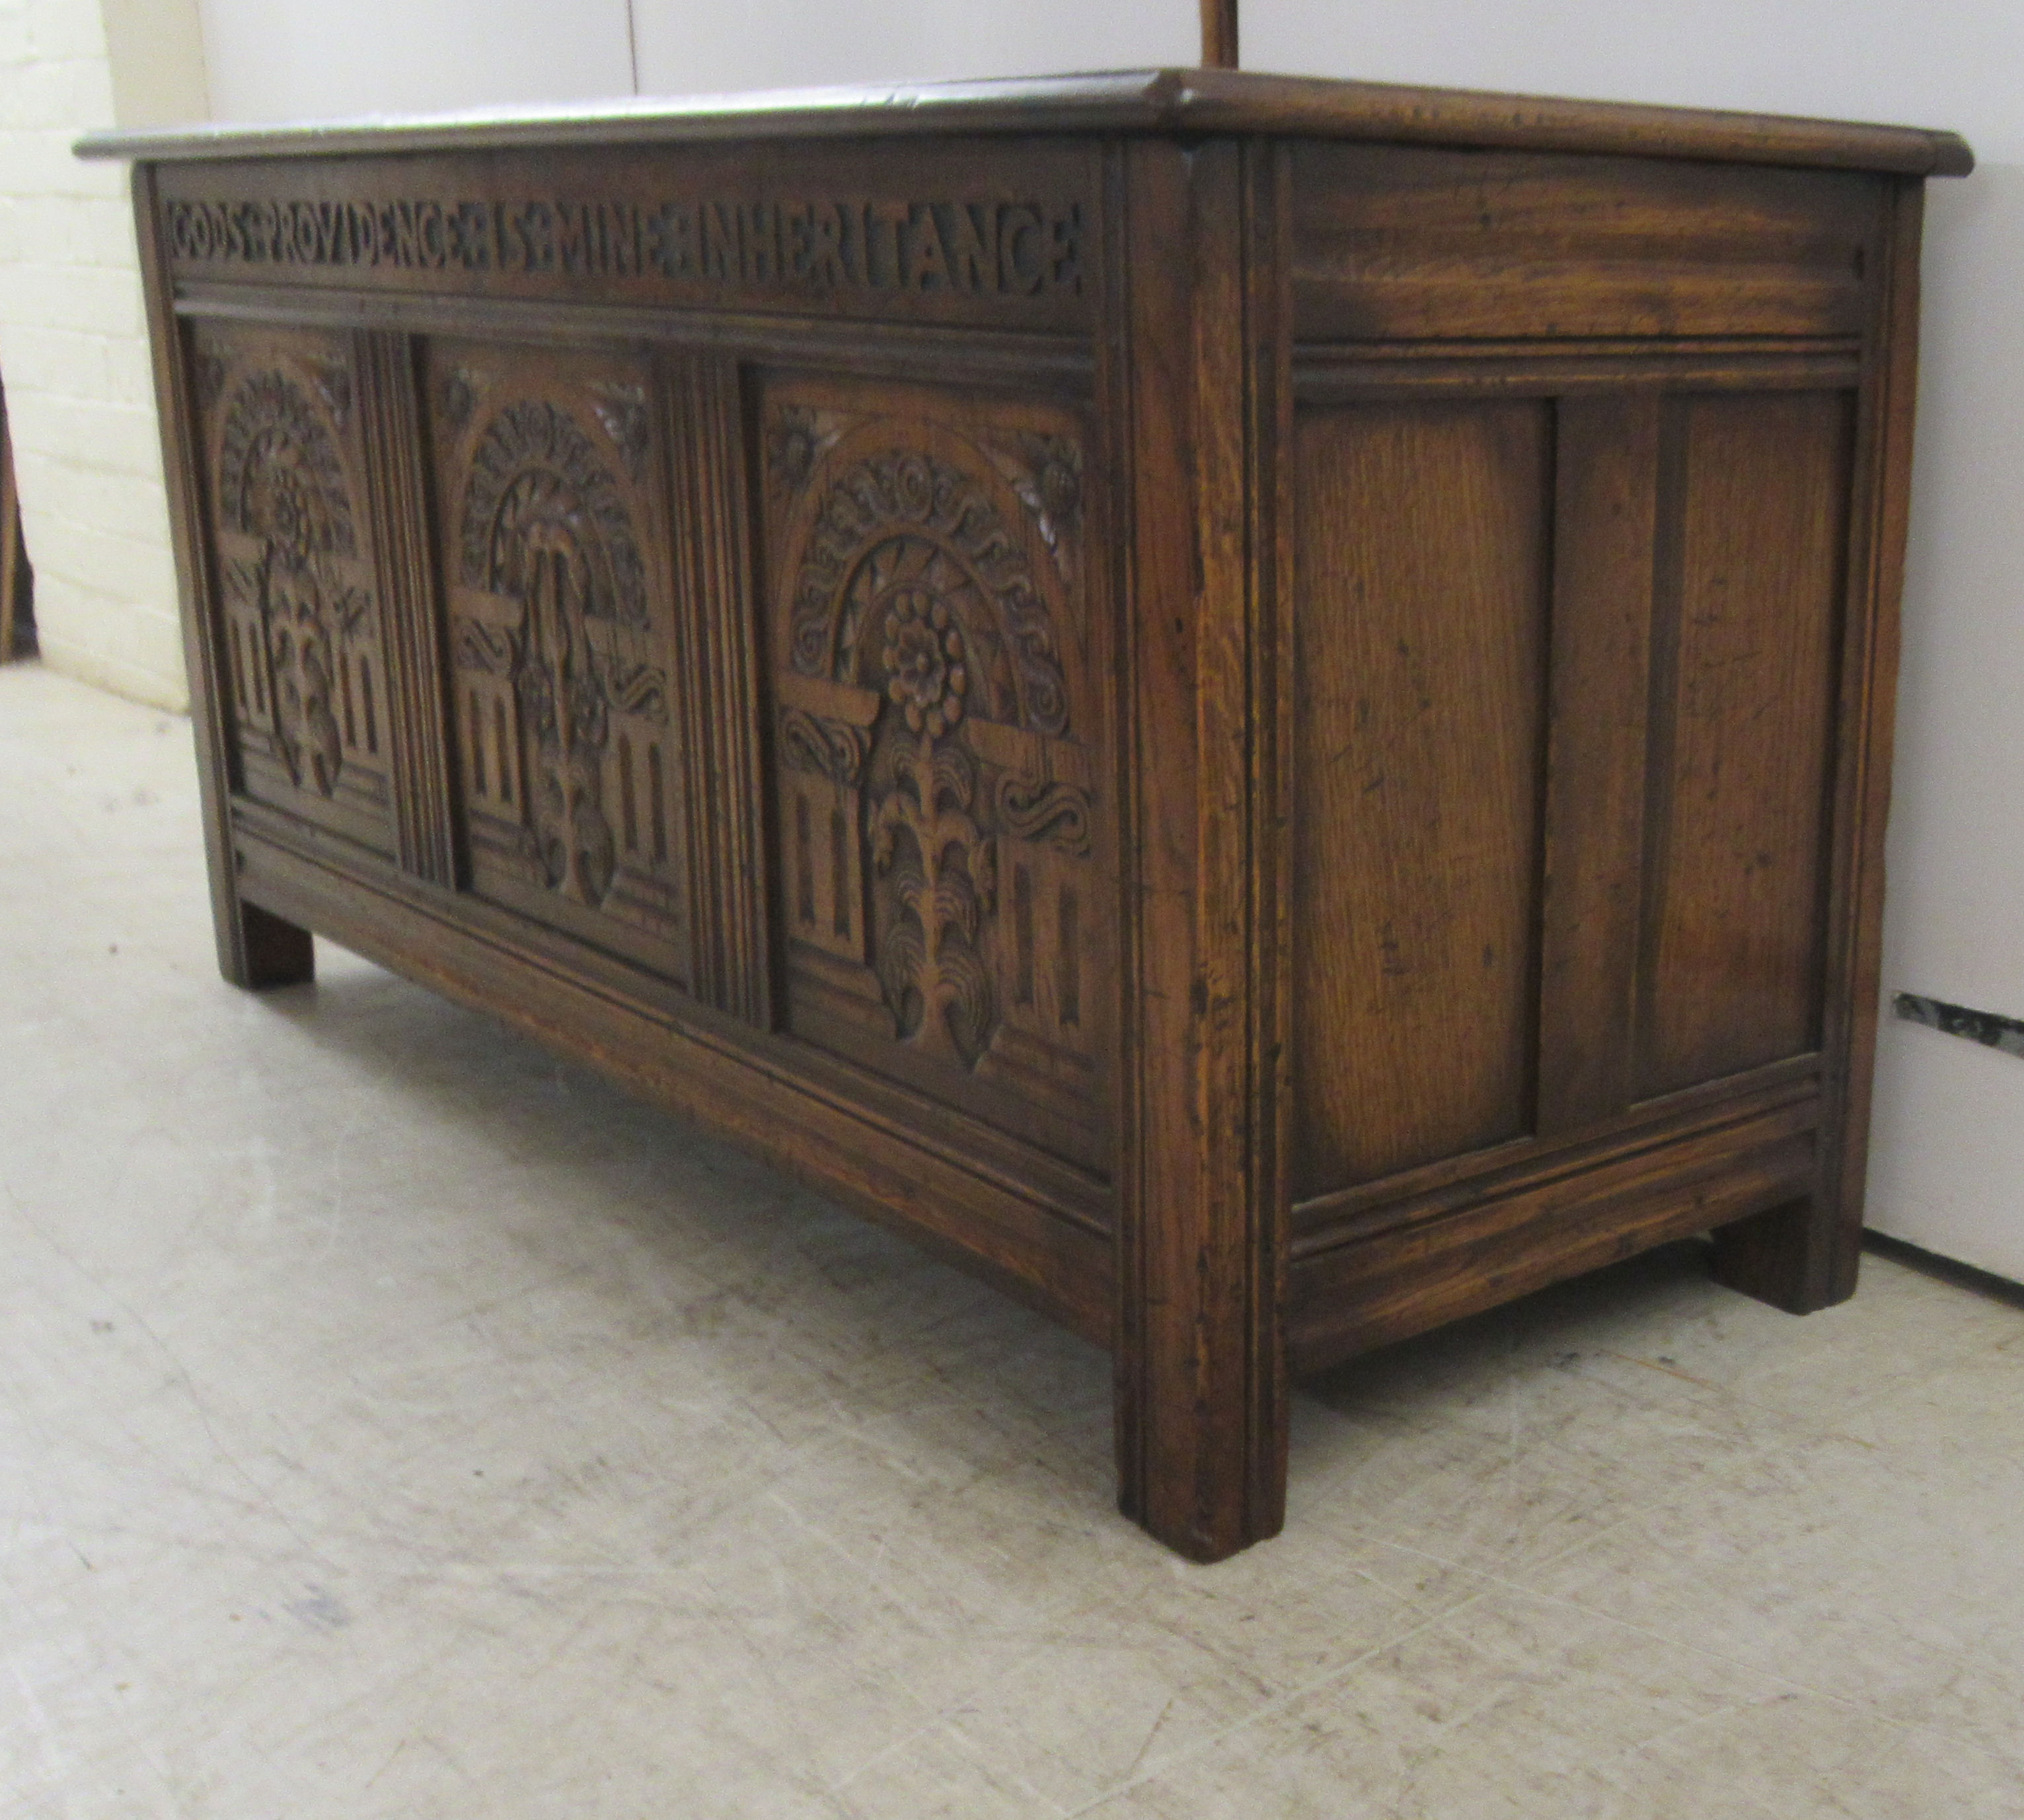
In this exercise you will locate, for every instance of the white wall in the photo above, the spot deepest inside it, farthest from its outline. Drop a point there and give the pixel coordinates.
(686, 48)
(1947, 1158)
(284, 59)
(73, 350)
(289, 59)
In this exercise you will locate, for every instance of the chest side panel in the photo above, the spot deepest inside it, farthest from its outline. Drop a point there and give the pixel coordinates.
(1574, 447)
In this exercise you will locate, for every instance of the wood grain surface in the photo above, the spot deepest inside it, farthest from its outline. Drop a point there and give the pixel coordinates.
(1751, 574)
(1421, 557)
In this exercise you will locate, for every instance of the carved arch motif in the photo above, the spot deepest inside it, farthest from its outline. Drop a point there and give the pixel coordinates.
(544, 525)
(534, 465)
(281, 484)
(911, 521)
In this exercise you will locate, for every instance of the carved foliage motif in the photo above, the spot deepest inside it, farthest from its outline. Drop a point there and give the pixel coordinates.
(457, 397)
(1047, 473)
(1045, 811)
(796, 439)
(831, 750)
(621, 408)
(942, 871)
(544, 525)
(212, 370)
(917, 611)
(281, 486)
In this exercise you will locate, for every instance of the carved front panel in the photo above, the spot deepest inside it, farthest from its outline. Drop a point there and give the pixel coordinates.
(936, 801)
(555, 552)
(300, 640)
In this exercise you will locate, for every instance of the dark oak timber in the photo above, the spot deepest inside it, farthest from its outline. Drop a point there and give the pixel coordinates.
(1219, 34)
(1258, 709)
(1606, 494)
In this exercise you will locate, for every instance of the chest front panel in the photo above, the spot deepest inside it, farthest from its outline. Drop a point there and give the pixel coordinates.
(556, 557)
(298, 619)
(937, 737)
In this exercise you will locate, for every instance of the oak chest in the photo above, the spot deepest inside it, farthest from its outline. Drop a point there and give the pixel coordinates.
(1259, 707)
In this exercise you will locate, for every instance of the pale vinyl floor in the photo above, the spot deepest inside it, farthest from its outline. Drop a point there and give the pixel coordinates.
(393, 1422)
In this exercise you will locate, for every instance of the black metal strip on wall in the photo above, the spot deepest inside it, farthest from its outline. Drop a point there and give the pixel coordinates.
(1986, 1028)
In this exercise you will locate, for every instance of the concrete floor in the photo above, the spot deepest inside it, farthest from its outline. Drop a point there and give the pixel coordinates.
(393, 1422)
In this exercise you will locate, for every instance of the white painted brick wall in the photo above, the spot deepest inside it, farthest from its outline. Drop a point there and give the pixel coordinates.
(74, 356)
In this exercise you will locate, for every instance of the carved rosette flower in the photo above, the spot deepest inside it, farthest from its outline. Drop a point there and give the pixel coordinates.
(278, 502)
(913, 488)
(926, 676)
(906, 519)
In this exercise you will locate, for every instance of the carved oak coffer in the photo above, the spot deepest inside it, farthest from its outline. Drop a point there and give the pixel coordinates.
(1259, 708)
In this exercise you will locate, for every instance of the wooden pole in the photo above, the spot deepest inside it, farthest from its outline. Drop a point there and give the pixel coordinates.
(10, 536)
(1219, 21)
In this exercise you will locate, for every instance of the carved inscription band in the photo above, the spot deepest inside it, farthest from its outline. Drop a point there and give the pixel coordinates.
(824, 246)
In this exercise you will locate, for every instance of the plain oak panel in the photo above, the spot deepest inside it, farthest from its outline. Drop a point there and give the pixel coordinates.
(1752, 530)
(1421, 553)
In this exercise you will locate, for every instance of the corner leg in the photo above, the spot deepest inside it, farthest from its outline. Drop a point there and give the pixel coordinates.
(1201, 1428)
(1205, 654)
(1798, 1257)
(257, 949)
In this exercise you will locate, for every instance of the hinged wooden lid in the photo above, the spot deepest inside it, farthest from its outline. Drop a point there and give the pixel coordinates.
(1217, 98)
